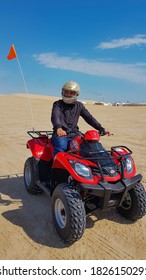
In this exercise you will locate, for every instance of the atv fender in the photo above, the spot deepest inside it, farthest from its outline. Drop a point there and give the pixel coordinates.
(40, 149)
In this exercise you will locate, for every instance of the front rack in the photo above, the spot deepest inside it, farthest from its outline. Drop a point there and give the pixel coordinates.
(103, 155)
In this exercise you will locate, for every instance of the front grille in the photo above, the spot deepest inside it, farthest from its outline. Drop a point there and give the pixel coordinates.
(105, 170)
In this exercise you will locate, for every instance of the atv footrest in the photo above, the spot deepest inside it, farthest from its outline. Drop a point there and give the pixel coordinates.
(45, 186)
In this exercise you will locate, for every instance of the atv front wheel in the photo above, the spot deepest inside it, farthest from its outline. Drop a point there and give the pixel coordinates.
(29, 177)
(68, 213)
(133, 206)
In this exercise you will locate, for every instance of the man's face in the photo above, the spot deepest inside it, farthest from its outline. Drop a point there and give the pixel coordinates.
(69, 93)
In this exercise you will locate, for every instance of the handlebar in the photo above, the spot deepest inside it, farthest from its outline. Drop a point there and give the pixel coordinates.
(46, 133)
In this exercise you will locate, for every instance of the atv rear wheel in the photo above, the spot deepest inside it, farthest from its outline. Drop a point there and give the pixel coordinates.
(29, 177)
(133, 206)
(68, 213)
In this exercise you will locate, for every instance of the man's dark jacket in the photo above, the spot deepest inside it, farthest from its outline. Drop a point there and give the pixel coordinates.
(66, 116)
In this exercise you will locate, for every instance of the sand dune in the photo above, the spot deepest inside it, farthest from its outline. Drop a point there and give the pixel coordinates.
(26, 229)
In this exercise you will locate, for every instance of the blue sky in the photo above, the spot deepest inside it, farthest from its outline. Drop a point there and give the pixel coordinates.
(101, 44)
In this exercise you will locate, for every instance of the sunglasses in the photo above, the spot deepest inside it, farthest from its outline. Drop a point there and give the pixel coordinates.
(70, 92)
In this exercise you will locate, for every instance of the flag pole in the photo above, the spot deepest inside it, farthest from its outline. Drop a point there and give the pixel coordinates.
(26, 88)
(12, 54)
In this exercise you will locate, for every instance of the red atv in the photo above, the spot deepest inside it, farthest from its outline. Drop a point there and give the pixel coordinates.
(85, 178)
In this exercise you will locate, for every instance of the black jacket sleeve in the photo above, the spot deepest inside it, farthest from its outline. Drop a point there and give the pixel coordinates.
(56, 116)
(85, 114)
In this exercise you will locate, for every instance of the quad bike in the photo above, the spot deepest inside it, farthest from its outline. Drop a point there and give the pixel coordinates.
(84, 178)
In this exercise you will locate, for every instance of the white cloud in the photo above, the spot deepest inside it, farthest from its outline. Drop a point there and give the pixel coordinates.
(123, 42)
(131, 72)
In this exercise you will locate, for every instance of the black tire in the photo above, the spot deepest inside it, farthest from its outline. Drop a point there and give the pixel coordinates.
(29, 177)
(134, 205)
(68, 213)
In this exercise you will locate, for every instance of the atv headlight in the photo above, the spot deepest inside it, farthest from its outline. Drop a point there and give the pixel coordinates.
(82, 170)
(129, 165)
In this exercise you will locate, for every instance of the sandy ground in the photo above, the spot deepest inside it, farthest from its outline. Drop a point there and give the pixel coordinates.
(26, 228)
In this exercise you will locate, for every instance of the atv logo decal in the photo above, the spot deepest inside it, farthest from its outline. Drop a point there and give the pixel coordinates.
(112, 171)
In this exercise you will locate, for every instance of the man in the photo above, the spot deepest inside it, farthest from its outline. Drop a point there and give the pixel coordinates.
(65, 116)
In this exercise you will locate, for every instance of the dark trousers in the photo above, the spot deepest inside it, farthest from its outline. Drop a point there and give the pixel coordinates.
(60, 144)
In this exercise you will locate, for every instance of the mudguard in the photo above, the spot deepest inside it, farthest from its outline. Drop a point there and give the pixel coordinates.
(41, 148)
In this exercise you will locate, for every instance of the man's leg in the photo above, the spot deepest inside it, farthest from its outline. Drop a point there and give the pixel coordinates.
(60, 144)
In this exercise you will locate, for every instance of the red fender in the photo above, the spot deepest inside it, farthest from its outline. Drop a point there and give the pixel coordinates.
(41, 148)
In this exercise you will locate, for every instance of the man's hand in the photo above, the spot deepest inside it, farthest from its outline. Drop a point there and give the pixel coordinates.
(61, 132)
(108, 133)
(103, 132)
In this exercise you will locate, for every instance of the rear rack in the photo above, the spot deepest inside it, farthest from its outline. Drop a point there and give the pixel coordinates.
(40, 133)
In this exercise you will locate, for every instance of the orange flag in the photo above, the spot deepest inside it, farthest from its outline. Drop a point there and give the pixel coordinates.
(12, 54)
